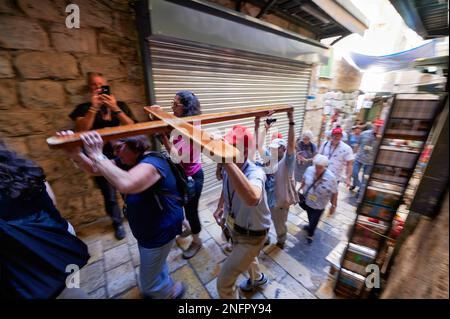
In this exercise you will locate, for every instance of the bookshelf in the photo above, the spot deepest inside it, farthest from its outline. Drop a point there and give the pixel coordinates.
(411, 118)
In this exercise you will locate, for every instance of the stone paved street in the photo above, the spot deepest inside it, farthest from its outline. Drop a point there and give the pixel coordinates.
(298, 271)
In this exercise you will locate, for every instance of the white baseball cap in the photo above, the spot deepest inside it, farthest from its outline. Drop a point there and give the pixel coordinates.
(277, 142)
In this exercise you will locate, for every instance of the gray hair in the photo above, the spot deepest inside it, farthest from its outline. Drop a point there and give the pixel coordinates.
(320, 160)
(307, 134)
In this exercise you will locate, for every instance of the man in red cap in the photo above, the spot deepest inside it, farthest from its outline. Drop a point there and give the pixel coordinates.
(247, 216)
(339, 155)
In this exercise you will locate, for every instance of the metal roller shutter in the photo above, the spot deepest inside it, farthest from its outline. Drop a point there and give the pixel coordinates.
(225, 81)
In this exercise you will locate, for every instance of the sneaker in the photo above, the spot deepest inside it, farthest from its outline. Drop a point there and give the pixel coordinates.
(120, 232)
(178, 290)
(192, 250)
(248, 286)
(309, 240)
(228, 248)
(305, 227)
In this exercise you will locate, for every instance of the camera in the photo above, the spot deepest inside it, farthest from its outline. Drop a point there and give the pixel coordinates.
(269, 121)
(105, 90)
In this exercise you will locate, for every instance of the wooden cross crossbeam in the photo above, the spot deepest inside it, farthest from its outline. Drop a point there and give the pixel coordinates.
(159, 126)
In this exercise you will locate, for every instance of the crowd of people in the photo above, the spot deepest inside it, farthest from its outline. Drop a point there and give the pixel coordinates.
(256, 192)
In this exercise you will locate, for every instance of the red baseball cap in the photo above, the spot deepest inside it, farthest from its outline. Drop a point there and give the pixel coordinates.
(336, 130)
(378, 122)
(240, 136)
(277, 135)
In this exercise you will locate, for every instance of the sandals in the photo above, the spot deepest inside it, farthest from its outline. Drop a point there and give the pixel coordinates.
(192, 250)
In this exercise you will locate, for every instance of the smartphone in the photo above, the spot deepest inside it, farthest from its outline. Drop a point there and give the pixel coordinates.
(269, 121)
(105, 90)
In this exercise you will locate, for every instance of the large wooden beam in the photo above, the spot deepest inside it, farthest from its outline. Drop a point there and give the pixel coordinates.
(151, 127)
(233, 115)
(216, 149)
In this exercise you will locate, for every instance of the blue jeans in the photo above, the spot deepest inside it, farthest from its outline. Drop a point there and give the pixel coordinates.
(154, 278)
(191, 208)
(357, 166)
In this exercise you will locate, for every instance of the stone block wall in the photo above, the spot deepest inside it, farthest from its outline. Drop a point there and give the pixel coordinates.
(420, 270)
(42, 78)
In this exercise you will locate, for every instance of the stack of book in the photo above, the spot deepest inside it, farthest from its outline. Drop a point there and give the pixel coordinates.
(367, 232)
(407, 128)
(358, 258)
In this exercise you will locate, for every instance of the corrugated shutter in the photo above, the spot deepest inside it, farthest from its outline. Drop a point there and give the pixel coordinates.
(225, 81)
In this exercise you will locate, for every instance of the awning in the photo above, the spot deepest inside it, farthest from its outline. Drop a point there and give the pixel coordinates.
(210, 24)
(391, 62)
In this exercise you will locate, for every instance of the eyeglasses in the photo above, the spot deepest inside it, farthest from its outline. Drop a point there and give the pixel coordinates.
(175, 104)
(118, 145)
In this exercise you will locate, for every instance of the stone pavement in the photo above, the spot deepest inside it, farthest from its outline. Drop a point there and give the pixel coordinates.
(298, 271)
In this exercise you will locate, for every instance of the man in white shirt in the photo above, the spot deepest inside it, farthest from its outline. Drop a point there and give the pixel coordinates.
(339, 155)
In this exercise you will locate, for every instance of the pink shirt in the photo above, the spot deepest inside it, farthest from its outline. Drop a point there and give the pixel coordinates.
(194, 164)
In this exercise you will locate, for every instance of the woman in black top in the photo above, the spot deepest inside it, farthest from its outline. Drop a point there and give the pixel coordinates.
(37, 244)
(104, 111)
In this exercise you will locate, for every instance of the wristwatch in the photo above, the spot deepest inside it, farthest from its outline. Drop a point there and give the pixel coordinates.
(291, 123)
(99, 158)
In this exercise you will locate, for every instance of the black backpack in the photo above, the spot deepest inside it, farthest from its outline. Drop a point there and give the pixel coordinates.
(185, 184)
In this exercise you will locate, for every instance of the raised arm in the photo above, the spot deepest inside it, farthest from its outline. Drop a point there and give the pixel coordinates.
(291, 133)
(136, 180)
(111, 102)
(260, 135)
(85, 123)
(248, 193)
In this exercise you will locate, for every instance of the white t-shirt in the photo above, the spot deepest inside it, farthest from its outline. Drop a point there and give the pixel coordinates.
(337, 157)
(319, 195)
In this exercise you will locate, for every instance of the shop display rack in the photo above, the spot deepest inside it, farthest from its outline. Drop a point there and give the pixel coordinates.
(411, 118)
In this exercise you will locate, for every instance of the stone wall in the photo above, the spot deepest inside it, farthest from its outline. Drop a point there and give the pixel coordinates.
(345, 77)
(420, 270)
(42, 78)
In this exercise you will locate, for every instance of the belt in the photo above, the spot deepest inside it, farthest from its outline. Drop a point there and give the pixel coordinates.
(243, 231)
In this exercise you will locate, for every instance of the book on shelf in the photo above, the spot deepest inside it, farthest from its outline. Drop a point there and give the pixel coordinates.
(392, 156)
(357, 258)
(374, 211)
(353, 281)
(387, 187)
(399, 149)
(407, 128)
(371, 253)
(368, 233)
(415, 108)
(352, 266)
(390, 174)
(383, 194)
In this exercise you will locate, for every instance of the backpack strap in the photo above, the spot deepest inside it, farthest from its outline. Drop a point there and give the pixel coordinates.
(159, 191)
